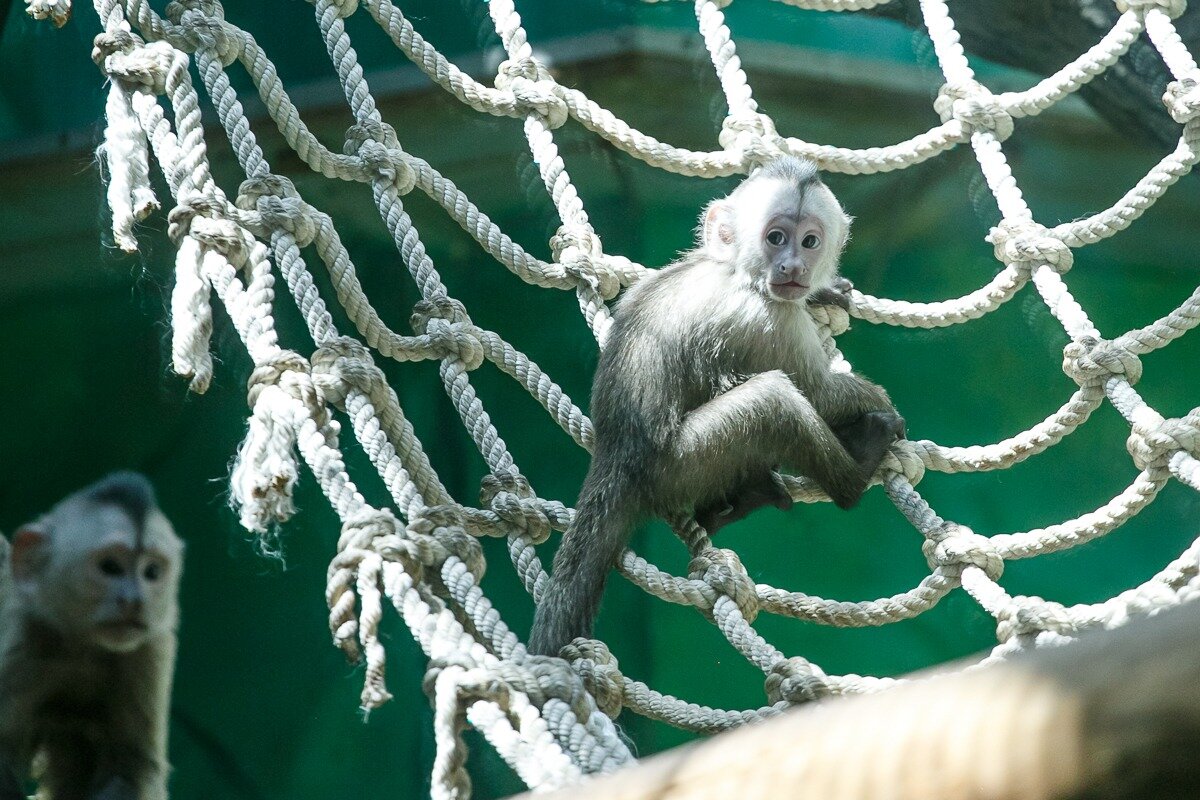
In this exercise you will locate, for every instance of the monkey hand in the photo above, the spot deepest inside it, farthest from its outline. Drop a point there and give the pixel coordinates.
(868, 438)
(838, 294)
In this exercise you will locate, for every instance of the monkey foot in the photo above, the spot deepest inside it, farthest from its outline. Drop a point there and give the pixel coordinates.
(768, 491)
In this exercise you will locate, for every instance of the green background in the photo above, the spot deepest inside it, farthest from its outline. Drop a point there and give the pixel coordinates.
(264, 706)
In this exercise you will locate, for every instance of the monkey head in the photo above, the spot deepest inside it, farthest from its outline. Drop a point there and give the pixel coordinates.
(102, 567)
(781, 230)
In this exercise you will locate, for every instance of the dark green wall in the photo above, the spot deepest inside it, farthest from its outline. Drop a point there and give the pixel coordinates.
(265, 707)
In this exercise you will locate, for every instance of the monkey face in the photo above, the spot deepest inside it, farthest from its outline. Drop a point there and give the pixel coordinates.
(105, 580)
(782, 229)
(127, 590)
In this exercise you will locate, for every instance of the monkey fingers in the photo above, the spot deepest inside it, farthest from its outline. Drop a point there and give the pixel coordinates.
(838, 294)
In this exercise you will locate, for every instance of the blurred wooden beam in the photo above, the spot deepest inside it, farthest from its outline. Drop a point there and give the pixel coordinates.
(1116, 715)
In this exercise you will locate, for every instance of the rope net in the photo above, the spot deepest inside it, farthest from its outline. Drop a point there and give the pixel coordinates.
(549, 718)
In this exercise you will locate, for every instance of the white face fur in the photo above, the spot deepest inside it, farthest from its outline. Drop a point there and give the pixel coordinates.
(102, 581)
(784, 241)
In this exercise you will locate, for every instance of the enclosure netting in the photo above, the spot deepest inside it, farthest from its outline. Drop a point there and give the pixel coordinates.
(551, 719)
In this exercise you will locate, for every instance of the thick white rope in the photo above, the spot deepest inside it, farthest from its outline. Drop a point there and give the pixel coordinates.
(552, 722)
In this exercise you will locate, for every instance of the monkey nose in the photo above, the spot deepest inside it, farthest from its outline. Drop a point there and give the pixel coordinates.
(130, 606)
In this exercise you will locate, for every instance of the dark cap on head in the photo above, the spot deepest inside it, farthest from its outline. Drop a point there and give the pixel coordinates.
(792, 169)
(129, 491)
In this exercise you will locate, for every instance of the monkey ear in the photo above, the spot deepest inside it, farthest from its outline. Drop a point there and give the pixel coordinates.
(718, 234)
(28, 551)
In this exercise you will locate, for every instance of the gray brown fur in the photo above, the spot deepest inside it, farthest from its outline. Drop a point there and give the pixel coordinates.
(87, 646)
(710, 382)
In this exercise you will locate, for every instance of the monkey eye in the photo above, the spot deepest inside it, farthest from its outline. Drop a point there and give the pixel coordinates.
(777, 237)
(152, 571)
(111, 567)
(811, 242)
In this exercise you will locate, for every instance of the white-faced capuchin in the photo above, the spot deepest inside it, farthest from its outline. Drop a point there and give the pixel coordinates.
(87, 646)
(712, 379)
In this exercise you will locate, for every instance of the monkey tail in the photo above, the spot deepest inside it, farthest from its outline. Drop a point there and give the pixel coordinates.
(589, 549)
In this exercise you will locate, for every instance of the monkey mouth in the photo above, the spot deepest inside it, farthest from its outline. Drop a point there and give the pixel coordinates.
(120, 636)
(123, 626)
(792, 290)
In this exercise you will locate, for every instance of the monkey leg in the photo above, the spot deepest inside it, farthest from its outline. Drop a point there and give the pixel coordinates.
(847, 396)
(751, 495)
(739, 434)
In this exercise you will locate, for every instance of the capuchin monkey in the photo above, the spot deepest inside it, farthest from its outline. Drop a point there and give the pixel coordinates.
(87, 646)
(713, 377)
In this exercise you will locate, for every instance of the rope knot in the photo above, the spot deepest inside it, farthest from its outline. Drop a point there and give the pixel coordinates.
(958, 546)
(342, 365)
(440, 516)
(370, 131)
(439, 535)
(1172, 8)
(1025, 245)
(289, 371)
(794, 680)
(582, 258)
(1153, 442)
(265, 470)
(270, 373)
(1023, 616)
(465, 547)
(437, 307)
(293, 215)
(376, 145)
(1092, 361)
(445, 321)
(278, 204)
(1182, 100)
(527, 68)
(345, 7)
(144, 65)
(57, 11)
(904, 459)
(722, 570)
(268, 185)
(972, 104)
(217, 233)
(179, 220)
(754, 137)
(596, 665)
(542, 96)
(120, 39)
(205, 28)
(548, 678)
(362, 530)
(514, 501)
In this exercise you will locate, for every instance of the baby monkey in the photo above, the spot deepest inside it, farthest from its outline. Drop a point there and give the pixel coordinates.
(87, 646)
(713, 378)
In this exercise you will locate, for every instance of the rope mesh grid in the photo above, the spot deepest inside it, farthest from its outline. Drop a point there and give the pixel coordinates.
(549, 718)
